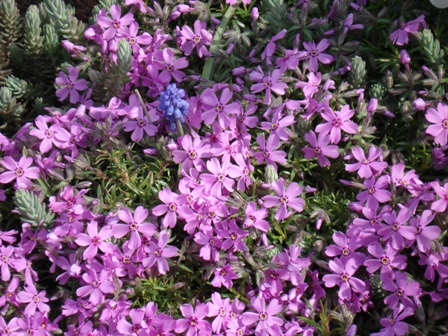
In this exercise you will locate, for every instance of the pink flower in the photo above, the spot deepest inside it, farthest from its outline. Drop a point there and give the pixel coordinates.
(400, 36)
(401, 289)
(224, 276)
(70, 85)
(264, 316)
(96, 285)
(425, 233)
(170, 66)
(220, 308)
(53, 135)
(218, 108)
(193, 152)
(267, 151)
(395, 230)
(255, 218)
(344, 278)
(158, 253)
(116, 24)
(314, 54)
(134, 225)
(285, 199)
(35, 300)
(139, 127)
(199, 39)
(337, 121)
(170, 207)
(366, 167)
(194, 320)
(439, 118)
(21, 171)
(393, 325)
(217, 180)
(268, 83)
(95, 240)
(320, 148)
(441, 204)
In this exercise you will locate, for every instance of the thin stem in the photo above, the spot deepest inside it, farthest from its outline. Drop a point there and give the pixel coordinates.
(143, 104)
(209, 63)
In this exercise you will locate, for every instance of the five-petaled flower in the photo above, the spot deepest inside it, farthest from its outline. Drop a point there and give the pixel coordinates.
(21, 171)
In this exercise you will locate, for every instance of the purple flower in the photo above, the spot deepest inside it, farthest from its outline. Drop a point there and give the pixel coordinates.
(6, 252)
(134, 225)
(188, 40)
(401, 288)
(268, 83)
(116, 24)
(34, 299)
(400, 36)
(264, 316)
(220, 108)
(21, 171)
(425, 234)
(96, 285)
(366, 167)
(345, 248)
(384, 258)
(314, 54)
(395, 231)
(95, 240)
(344, 278)
(170, 207)
(194, 320)
(285, 199)
(217, 180)
(220, 308)
(393, 325)
(268, 152)
(158, 253)
(70, 85)
(224, 276)
(336, 121)
(375, 192)
(441, 204)
(139, 127)
(55, 134)
(193, 152)
(439, 119)
(320, 148)
(255, 218)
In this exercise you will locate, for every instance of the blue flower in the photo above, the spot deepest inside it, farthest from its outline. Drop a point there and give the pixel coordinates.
(173, 105)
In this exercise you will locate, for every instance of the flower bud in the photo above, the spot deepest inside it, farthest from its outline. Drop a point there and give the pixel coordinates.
(372, 106)
(254, 14)
(404, 57)
(419, 104)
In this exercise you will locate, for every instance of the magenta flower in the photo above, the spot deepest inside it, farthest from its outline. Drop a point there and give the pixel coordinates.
(220, 308)
(241, 170)
(337, 121)
(134, 225)
(158, 253)
(95, 240)
(401, 289)
(395, 230)
(264, 316)
(139, 127)
(21, 171)
(400, 36)
(170, 207)
(268, 83)
(439, 119)
(194, 320)
(138, 326)
(224, 276)
(53, 135)
(6, 252)
(315, 53)
(285, 199)
(344, 278)
(193, 152)
(256, 218)
(217, 180)
(220, 108)
(320, 148)
(34, 299)
(367, 167)
(171, 67)
(393, 325)
(375, 192)
(268, 152)
(425, 233)
(385, 258)
(345, 247)
(70, 85)
(113, 26)
(130, 34)
(96, 285)
(198, 39)
(441, 204)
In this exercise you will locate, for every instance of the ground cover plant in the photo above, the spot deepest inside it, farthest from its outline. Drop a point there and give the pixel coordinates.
(226, 167)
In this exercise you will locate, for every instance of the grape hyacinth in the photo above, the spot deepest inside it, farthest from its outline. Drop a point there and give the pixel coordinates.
(173, 105)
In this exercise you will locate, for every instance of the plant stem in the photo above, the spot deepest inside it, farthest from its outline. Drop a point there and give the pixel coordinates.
(209, 63)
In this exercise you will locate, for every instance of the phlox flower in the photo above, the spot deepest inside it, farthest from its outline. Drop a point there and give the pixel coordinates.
(242, 171)
(400, 36)
(224, 276)
(314, 54)
(217, 180)
(220, 108)
(439, 120)
(285, 198)
(95, 240)
(53, 135)
(425, 233)
(210, 244)
(135, 41)
(199, 39)
(268, 83)
(433, 263)
(278, 125)
(158, 253)
(170, 66)
(6, 261)
(345, 248)
(220, 308)
(21, 171)
(376, 191)
(70, 85)
(386, 258)
(139, 127)
(264, 315)
(344, 278)
(194, 322)
(135, 224)
(393, 324)
(321, 148)
(395, 231)
(172, 203)
(441, 204)
(367, 167)
(115, 25)
(97, 284)
(337, 121)
(400, 178)
(138, 326)
(34, 299)
(312, 86)
(193, 151)
(401, 288)
(255, 218)
(268, 152)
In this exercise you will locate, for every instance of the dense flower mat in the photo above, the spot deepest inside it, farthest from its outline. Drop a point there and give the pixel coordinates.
(227, 167)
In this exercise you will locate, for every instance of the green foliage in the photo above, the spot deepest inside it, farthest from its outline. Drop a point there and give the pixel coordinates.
(358, 72)
(10, 24)
(431, 48)
(31, 208)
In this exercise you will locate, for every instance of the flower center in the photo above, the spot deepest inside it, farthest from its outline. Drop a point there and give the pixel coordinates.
(317, 150)
(267, 83)
(337, 122)
(133, 226)
(19, 171)
(365, 161)
(221, 177)
(284, 199)
(70, 85)
(36, 298)
(192, 155)
(116, 24)
(395, 227)
(346, 251)
(263, 316)
(172, 207)
(141, 123)
(132, 41)
(222, 312)
(314, 53)
(344, 277)
(48, 134)
(197, 39)
(400, 292)
(219, 107)
(445, 123)
(223, 272)
(385, 260)
(96, 240)
(371, 190)
(169, 67)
